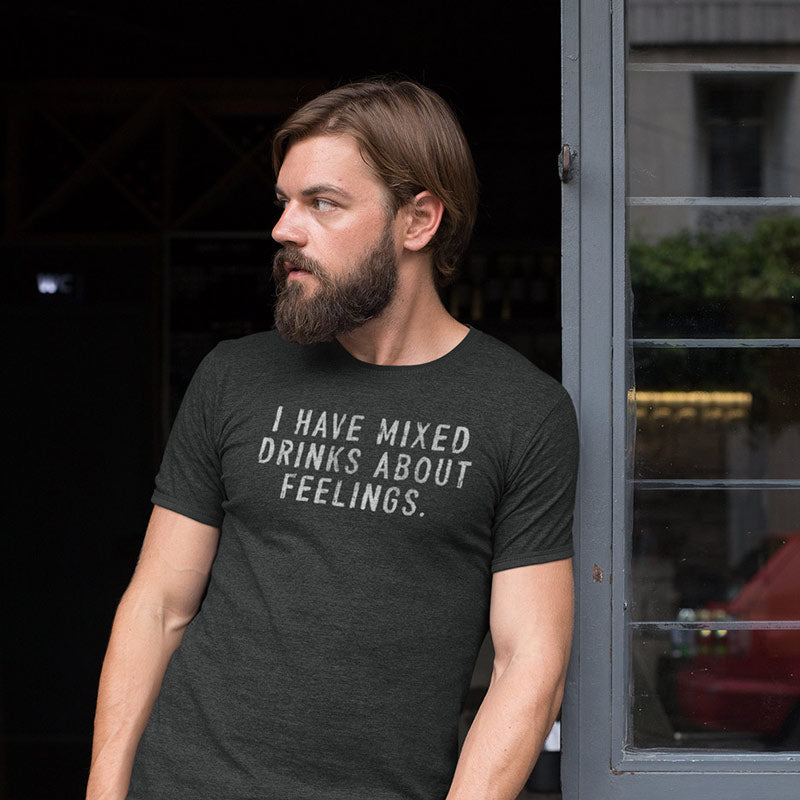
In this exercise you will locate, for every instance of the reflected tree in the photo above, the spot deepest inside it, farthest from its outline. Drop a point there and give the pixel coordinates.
(733, 284)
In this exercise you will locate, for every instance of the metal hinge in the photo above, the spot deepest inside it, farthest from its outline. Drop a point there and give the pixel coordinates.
(566, 163)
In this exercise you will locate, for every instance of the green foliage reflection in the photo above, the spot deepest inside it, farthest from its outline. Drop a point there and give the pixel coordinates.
(736, 283)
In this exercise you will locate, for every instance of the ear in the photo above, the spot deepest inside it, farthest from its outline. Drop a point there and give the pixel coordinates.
(424, 216)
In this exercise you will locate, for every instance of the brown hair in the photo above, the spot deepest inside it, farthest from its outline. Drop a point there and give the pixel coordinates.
(412, 140)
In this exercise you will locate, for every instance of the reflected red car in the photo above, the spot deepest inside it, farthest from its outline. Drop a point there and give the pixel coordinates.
(749, 680)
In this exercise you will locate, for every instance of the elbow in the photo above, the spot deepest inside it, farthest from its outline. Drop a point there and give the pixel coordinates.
(541, 678)
(156, 612)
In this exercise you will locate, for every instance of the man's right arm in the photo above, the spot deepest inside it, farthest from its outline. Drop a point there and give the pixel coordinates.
(163, 597)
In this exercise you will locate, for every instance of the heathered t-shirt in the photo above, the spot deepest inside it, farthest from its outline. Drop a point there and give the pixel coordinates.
(363, 510)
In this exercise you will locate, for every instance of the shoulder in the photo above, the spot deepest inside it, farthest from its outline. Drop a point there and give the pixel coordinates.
(531, 417)
(234, 365)
(255, 354)
(239, 370)
(513, 384)
(257, 345)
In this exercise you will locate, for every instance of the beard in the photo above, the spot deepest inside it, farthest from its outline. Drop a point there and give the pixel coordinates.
(336, 305)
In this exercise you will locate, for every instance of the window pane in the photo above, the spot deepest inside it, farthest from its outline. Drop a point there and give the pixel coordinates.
(699, 550)
(713, 413)
(733, 689)
(709, 133)
(715, 272)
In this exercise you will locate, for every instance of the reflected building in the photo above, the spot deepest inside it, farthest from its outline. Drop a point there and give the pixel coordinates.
(713, 209)
(713, 109)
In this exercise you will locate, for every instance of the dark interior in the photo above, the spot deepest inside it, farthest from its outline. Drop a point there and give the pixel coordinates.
(107, 303)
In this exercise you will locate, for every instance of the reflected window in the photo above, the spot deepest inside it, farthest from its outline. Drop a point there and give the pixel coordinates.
(733, 118)
(713, 302)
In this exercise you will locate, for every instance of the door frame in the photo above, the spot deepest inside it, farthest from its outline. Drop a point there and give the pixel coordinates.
(595, 761)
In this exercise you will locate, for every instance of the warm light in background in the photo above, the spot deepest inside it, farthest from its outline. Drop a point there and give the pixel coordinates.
(691, 405)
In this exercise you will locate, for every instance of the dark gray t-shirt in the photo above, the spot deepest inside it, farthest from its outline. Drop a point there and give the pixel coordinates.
(362, 510)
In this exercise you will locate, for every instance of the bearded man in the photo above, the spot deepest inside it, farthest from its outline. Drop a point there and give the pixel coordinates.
(345, 505)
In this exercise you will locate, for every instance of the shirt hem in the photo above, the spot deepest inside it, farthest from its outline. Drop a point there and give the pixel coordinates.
(534, 558)
(172, 504)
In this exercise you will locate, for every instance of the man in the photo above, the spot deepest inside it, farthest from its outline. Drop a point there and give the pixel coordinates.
(344, 507)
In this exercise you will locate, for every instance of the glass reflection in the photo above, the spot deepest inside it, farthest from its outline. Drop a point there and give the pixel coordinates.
(730, 690)
(715, 619)
(705, 281)
(699, 549)
(733, 118)
(713, 245)
(717, 413)
(695, 132)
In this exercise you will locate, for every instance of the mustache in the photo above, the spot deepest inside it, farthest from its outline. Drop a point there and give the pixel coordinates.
(292, 255)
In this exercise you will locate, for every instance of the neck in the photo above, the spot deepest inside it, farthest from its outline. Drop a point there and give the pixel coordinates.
(414, 328)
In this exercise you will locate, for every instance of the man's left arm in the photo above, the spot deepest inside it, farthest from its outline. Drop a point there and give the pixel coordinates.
(531, 626)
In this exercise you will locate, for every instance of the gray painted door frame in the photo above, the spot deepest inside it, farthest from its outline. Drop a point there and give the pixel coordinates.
(596, 763)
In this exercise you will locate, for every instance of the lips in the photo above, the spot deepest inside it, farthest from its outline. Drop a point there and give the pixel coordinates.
(293, 270)
(289, 264)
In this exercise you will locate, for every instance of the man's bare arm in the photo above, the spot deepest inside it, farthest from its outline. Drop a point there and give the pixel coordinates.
(531, 626)
(163, 597)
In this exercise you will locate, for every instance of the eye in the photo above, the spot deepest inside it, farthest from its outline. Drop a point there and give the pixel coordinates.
(321, 204)
(280, 203)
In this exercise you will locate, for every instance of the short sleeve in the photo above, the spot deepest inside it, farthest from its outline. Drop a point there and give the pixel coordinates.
(189, 481)
(533, 520)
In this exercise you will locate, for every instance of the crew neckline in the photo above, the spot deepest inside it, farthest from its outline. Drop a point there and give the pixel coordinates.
(454, 352)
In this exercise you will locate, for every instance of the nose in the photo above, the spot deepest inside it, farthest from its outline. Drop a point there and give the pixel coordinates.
(288, 229)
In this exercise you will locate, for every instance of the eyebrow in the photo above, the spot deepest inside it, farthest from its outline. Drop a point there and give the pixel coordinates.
(319, 188)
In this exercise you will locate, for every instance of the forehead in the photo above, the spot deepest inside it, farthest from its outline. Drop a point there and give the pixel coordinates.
(334, 161)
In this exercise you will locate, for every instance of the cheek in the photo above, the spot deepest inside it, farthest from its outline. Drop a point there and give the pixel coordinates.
(341, 243)
(350, 243)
